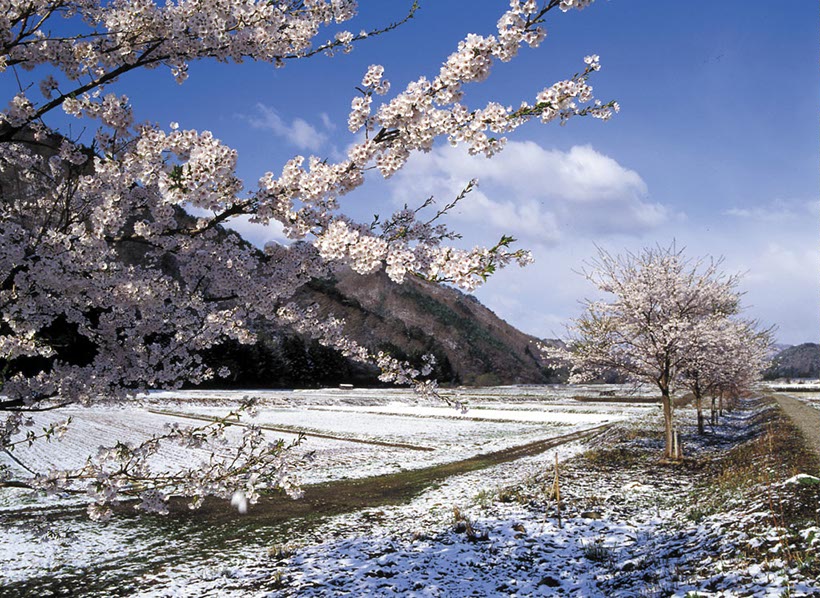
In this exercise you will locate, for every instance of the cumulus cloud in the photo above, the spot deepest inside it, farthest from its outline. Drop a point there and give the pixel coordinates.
(561, 204)
(524, 219)
(536, 194)
(297, 132)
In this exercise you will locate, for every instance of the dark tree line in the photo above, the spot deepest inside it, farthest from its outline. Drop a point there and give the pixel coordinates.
(289, 361)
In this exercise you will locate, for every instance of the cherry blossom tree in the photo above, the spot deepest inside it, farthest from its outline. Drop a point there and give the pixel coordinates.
(750, 357)
(115, 269)
(723, 356)
(661, 303)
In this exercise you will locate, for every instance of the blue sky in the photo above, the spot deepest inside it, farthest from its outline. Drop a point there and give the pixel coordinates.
(716, 145)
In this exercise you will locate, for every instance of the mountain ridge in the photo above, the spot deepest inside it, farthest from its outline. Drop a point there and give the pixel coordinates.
(417, 317)
(799, 361)
(470, 343)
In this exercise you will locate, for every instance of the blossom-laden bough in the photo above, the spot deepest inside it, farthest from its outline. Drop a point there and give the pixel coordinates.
(115, 269)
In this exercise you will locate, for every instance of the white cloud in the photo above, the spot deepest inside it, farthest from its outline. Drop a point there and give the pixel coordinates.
(258, 234)
(543, 297)
(778, 264)
(775, 260)
(781, 283)
(298, 132)
(253, 232)
(535, 194)
(779, 211)
(329, 124)
(560, 204)
(525, 219)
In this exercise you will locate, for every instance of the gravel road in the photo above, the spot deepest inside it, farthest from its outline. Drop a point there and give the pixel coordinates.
(805, 416)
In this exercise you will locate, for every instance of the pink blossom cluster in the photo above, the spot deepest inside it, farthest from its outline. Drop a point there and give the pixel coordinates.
(427, 109)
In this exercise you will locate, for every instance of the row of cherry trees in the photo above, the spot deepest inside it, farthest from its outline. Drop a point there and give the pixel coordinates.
(668, 321)
(109, 286)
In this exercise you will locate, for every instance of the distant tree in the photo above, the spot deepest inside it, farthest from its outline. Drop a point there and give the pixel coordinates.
(661, 302)
(745, 366)
(99, 248)
(723, 356)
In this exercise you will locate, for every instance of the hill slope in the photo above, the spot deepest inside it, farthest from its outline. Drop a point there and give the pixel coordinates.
(800, 361)
(472, 344)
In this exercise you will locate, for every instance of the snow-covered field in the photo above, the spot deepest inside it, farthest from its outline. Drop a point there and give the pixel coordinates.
(807, 385)
(622, 533)
(350, 433)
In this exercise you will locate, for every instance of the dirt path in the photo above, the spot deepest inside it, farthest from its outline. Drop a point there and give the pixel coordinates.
(805, 417)
(333, 498)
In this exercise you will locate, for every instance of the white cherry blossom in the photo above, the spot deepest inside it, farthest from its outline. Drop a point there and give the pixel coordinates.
(669, 322)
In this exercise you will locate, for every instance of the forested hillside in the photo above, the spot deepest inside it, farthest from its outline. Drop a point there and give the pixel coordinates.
(472, 345)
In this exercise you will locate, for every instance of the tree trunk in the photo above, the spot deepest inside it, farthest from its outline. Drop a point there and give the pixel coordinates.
(666, 401)
(714, 412)
(720, 405)
(699, 407)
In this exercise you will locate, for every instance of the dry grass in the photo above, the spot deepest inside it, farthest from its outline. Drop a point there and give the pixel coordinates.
(753, 474)
(776, 453)
(616, 457)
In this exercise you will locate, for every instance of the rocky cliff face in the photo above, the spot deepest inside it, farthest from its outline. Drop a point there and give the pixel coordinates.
(800, 361)
(472, 344)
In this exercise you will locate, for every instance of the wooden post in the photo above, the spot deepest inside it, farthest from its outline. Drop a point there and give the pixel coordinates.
(674, 451)
(556, 491)
(678, 447)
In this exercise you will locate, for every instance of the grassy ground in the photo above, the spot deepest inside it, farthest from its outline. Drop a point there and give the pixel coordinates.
(807, 418)
(754, 473)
